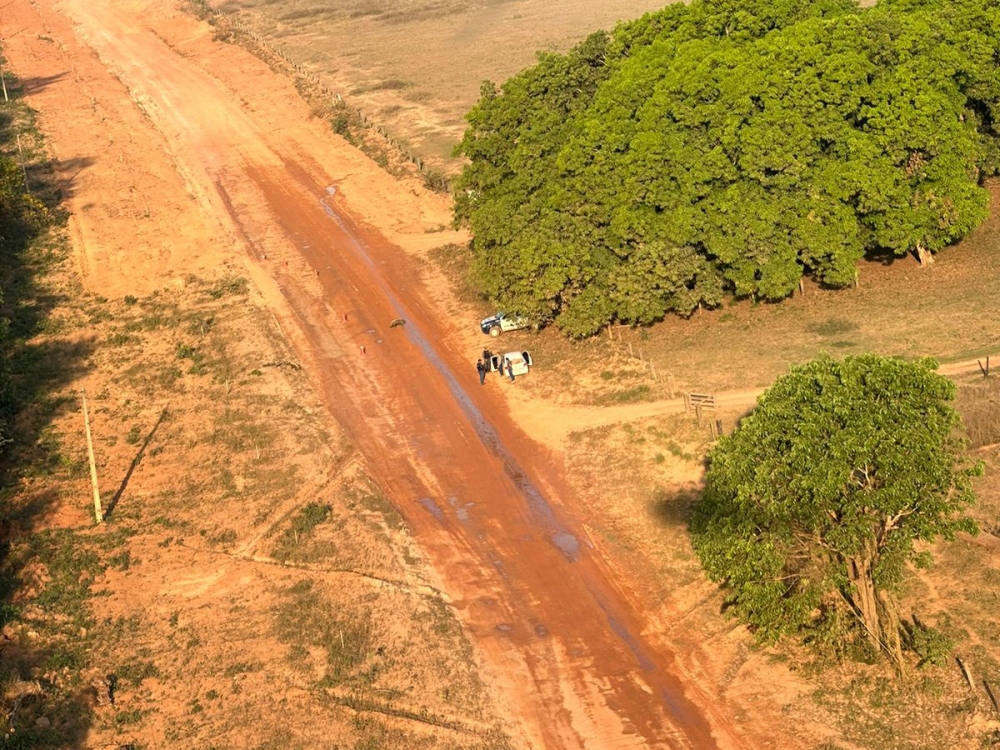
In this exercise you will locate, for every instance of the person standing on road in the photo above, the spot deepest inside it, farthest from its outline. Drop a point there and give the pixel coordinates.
(510, 368)
(500, 361)
(481, 369)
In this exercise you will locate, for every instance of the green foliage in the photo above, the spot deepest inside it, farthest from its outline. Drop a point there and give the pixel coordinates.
(729, 146)
(930, 645)
(817, 498)
(302, 527)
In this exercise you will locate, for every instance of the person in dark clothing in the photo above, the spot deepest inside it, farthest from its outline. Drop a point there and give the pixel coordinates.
(481, 369)
(510, 369)
(500, 366)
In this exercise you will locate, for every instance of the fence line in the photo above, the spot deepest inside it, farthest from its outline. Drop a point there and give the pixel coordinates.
(658, 374)
(432, 179)
(698, 402)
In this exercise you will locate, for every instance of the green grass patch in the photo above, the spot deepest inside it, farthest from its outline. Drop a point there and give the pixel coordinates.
(633, 395)
(305, 619)
(291, 543)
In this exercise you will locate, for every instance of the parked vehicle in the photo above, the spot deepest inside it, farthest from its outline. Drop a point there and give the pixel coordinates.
(501, 322)
(519, 362)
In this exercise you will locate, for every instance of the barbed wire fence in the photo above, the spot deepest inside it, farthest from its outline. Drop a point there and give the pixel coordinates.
(697, 403)
(634, 350)
(315, 87)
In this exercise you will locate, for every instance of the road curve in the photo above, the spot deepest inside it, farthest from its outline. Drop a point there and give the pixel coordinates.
(488, 506)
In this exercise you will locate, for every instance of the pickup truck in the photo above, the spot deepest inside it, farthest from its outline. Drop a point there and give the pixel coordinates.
(501, 322)
(519, 362)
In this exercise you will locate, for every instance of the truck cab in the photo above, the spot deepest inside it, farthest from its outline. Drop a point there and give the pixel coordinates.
(502, 322)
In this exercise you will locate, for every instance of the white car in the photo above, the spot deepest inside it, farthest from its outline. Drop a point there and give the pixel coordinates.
(519, 362)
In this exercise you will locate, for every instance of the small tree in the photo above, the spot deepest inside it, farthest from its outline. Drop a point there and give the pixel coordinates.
(812, 506)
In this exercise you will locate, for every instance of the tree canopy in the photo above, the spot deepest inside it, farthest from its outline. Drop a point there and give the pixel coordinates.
(729, 146)
(812, 506)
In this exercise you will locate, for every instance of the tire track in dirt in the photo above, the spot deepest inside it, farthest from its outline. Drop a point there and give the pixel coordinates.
(554, 422)
(566, 643)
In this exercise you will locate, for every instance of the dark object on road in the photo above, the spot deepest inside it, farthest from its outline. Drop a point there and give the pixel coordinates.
(397, 322)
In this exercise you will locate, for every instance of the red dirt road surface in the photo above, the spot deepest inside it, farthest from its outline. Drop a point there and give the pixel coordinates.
(328, 241)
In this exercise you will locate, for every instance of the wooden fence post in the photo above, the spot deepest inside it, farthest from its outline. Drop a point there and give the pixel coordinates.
(98, 511)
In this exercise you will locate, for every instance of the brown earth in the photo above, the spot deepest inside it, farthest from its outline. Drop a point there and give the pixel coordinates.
(181, 155)
(186, 164)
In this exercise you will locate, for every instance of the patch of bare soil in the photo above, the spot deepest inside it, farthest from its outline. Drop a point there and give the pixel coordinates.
(258, 590)
(267, 576)
(254, 587)
(258, 190)
(270, 574)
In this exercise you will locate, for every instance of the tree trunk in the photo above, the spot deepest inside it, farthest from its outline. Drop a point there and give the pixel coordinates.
(891, 627)
(863, 597)
(924, 256)
(877, 611)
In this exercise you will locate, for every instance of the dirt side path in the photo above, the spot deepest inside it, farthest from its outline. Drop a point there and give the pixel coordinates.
(324, 235)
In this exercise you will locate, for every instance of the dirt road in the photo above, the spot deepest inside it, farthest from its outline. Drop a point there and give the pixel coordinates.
(326, 238)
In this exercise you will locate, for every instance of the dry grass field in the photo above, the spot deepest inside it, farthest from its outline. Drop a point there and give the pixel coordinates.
(251, 574)
(416, 66)
(251, 587)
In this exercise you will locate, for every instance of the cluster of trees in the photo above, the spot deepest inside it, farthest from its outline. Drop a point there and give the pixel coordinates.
(812, 506)
(730, 146)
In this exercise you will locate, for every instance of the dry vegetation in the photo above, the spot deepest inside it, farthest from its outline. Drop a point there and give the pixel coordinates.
(228, 601)
(307, 610)
(416, 67)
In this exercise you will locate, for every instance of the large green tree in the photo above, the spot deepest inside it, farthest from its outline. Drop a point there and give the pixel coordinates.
(730, 146)
(813, 505)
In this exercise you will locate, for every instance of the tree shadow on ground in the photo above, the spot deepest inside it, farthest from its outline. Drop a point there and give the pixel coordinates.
(44, 695)
(885, 257)
(675, 508)
(53, 182)
(34, 84)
